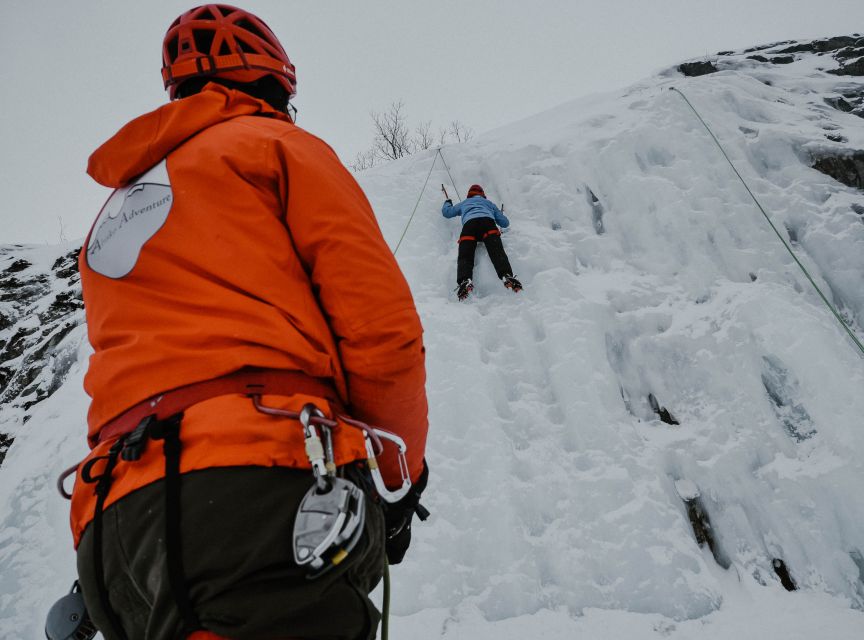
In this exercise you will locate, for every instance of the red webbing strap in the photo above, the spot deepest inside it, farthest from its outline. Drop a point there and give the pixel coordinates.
(491, 232)
(204, 65)
(461, 238)
(246, 382)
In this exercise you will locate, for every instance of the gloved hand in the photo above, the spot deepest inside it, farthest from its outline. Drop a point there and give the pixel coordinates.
(449, 201)
(398, 516)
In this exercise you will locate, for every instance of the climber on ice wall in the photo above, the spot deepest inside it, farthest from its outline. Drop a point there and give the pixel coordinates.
(480, 222)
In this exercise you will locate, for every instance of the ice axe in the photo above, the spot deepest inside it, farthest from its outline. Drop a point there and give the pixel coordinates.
(446, 197)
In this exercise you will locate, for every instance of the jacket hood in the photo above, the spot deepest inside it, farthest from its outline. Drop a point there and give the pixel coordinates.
(146, 140)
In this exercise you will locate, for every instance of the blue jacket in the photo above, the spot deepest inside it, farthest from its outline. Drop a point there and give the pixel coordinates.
(475, 207)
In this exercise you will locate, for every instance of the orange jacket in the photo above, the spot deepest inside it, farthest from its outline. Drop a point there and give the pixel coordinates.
(236, 239)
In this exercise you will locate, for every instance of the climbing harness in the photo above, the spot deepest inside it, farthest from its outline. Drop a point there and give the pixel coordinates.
(830, 306)
(330, 518)
(438, 152)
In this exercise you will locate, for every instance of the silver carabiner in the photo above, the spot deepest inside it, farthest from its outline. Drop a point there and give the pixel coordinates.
(386, 494)
(314, 448)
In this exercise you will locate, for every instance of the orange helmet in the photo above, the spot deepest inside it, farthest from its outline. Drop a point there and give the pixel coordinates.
(223, 41)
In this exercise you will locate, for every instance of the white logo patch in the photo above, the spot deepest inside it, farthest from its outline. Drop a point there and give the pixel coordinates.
(132, 215)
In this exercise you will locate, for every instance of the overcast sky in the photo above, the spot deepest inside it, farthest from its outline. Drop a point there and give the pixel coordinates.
(73, 72)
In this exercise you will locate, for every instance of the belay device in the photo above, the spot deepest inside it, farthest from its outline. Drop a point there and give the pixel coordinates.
(331, 515)
(68, 618)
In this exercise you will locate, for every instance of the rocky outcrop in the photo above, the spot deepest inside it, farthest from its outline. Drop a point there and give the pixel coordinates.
(845, 167)
(847, 51)
(40, 308)
(692, 69)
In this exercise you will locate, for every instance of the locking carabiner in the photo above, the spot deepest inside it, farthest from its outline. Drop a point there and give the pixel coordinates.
(315, 451)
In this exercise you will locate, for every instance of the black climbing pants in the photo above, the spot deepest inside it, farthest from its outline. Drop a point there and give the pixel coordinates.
(237, 524)
(486, 231)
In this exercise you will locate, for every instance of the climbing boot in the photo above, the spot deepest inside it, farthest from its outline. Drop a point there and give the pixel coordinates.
(512, 283)
(465, 287)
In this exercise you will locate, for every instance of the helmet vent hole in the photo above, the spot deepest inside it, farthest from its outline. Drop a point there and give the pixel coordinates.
(206, 14)
(224, 49)
(244, 47)
(171, 48)
(251, 28)
(203, 41)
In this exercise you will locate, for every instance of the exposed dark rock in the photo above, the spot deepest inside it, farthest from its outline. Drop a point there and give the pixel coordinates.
(835, 137)
(783, 60)
(840, 104)
(853, 69)
(662, 412)
(692, 69)
(64, 302)
(849, 52)
(758, 58)
(846, 167)
(822, 46)
(18, 265)
(66, 266)
(782, 572)
(39, 309)
(725, 53)
(702, 530)
(15, 347)
(762, 47)
(857, 208)
(5, 443)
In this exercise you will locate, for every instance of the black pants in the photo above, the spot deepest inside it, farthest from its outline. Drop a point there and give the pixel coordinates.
(237, 524)
(486, 231)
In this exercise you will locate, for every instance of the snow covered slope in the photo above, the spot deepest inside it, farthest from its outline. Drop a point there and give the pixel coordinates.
(563, 506)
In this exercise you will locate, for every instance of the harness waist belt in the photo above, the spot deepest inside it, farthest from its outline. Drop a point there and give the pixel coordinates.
(248, 382)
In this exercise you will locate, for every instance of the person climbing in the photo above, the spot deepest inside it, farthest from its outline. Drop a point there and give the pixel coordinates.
(241, 302)
(480, 222)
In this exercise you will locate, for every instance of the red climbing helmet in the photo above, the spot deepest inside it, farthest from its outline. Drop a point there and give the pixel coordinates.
(476, 190)
(223, 41)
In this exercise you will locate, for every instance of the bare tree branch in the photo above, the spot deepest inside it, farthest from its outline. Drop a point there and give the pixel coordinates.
(363, 160)
(392, 140)
(422, 137)
(460, 132)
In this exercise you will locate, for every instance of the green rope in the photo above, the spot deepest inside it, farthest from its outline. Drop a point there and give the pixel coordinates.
(385, 609)
(440, 153)
(785, 244)
(405, 230)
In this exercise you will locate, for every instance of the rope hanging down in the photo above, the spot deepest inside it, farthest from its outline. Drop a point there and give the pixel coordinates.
(830, 306)
(422, 191)
(448, 173)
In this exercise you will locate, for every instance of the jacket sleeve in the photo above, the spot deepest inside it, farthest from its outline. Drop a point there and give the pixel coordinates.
(451, 210)
(500, 219)
(362, 293)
